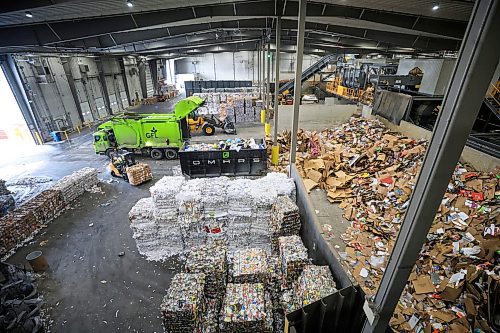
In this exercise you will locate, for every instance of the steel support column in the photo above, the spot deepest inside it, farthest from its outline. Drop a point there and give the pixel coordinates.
(268, 82)
(258, 68)
(277, 79)
(479, 56)
(263, 67)
(298, 78)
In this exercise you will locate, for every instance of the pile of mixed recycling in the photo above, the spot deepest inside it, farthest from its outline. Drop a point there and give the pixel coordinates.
(370, 172)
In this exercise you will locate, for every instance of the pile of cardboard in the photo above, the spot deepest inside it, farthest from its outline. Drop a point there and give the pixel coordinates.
(183, 306)
(453, 282)
(370, 172)
(139, 174)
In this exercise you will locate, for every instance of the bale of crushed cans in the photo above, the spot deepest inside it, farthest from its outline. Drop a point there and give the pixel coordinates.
(293, 255)
(285, 219)
(244, 309)
(209, 259)
(183, 306)
(314, 283)
(249, 266)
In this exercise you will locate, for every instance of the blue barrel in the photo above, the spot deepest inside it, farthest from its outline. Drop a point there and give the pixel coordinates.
(56, 136)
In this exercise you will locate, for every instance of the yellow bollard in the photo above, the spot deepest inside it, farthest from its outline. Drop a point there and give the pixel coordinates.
(263, 116)
(66, 135)
(40, 142)
(275, 155)
(78, 129)
(267, 128)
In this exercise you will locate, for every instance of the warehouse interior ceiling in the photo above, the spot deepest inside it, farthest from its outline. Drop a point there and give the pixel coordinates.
(171, 29)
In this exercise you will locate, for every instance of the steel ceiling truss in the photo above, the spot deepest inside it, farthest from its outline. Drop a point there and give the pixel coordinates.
(171, 29)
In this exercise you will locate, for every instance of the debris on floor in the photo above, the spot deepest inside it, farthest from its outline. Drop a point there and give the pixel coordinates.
(370, 172)
(20, 302)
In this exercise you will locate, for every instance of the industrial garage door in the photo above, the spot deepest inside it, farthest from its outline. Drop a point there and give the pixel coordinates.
(113, 103)
(86, 113)
(123, 97)
(101, 107)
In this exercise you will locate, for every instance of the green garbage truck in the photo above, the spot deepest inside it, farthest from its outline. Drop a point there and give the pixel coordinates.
(157, 135)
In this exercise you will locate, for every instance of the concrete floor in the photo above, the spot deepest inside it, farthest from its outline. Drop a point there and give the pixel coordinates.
(89, 288)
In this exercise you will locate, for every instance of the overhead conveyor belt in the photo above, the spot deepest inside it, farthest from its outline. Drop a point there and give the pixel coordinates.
(310, 71)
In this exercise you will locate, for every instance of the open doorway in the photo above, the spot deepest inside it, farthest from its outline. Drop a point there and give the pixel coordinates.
(13, 128)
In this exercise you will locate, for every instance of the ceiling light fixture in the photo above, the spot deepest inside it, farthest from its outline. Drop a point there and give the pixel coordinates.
(130, 4)
(435, 6)
(28, 14)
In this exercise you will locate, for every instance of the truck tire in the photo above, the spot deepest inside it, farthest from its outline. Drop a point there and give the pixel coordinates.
(208, 129)
(170, 154)
(156, 154)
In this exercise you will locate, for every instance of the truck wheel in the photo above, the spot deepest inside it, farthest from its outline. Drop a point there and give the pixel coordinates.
(156, 154)
(170, 154)
(208, 129)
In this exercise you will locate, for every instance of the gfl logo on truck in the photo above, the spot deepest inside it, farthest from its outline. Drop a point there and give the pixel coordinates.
(152, 134)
